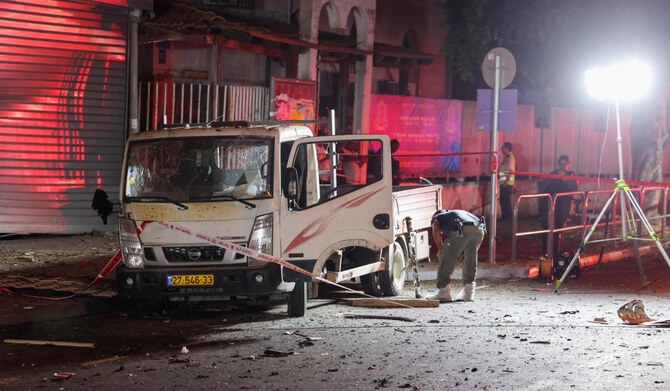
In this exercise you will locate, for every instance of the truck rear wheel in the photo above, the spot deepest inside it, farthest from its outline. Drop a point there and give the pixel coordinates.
(392, 280)
(297, 300)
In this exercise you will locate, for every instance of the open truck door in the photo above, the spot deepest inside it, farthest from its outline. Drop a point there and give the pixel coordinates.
(337, 194)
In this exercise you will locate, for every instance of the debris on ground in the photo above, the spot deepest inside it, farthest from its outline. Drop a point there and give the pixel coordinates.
(276, 353)
(391, 303)
(177, 360)
(380, 317)
(64, 375)
(59, 377)
(509, 319)
(102, 361)
(633, 313)
(50, 343)
(184, 350)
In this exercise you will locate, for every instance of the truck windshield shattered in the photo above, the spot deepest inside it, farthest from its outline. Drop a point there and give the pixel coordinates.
(199, 169)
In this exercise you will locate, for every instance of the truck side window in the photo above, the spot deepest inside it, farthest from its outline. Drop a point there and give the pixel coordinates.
(357, 164)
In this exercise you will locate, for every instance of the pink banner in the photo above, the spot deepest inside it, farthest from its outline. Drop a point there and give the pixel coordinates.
(422, 126)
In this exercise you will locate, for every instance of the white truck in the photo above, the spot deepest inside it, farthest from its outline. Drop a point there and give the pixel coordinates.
(325, 204)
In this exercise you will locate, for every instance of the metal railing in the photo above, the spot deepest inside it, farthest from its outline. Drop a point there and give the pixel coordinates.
(162, 103)
(585, 197)
(664, 214)
(515, 221)
(551, 210)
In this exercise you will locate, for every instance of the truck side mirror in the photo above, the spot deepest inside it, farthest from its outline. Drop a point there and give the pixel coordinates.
(291, 183)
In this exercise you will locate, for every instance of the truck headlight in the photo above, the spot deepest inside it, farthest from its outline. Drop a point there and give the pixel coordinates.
(261, 238)
(131, 248)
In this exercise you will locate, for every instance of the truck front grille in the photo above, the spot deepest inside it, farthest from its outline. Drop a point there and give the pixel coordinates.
(194, 254)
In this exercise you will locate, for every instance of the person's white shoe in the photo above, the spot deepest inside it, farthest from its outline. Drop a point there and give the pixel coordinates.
(467, 293)
(443, 295)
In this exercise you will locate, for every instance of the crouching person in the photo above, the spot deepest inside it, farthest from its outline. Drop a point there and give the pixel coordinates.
(456, 232)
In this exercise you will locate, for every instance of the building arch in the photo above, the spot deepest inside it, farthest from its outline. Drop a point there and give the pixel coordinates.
(353, 86)
(330, 15)
(356, 22)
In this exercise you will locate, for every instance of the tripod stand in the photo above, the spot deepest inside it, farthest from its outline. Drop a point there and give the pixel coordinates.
(627, 201)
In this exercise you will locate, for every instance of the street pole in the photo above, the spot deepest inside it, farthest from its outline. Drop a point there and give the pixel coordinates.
(333, 156)
(133, 107)
(494, 167)
(541, 147)
(624, 218)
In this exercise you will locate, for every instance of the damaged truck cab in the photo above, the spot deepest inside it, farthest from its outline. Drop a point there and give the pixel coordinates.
(324, 204)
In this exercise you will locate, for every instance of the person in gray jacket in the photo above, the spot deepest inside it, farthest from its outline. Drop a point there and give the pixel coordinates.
(456, 232)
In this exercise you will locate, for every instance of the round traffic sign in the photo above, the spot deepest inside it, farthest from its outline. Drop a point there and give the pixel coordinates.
(507, 67)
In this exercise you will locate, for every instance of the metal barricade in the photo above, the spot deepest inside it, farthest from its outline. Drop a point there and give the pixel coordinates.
(613, 206)
(586, 196)
(551, 230)
(663, 217)
(515, 220)
(581, 226)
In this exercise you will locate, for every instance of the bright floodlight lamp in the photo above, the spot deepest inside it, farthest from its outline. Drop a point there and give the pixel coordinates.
(625, 81)
(620, 82)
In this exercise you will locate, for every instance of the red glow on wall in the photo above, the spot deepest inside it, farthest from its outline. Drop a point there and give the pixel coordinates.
(61, 64)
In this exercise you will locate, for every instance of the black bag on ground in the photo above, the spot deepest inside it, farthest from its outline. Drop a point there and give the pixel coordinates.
(561, 263)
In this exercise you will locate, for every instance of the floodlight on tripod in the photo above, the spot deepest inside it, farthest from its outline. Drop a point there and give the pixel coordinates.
(621, 82)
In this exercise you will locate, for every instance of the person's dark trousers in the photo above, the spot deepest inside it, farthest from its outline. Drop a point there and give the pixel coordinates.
(560, 217)
(506, 202)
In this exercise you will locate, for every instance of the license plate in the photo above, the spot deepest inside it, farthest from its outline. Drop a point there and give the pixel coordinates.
(190, 280)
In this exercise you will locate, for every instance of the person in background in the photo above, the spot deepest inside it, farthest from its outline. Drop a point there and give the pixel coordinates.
(554, 186)
(395, 164)
(456, 232)
(506, 180)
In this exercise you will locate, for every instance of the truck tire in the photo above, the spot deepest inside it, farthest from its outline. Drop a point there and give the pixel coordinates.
(392, 280)
(297, 300)
(369, 282)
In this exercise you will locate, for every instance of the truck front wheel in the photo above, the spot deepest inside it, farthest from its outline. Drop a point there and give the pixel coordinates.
(297, 300)
(392, 280)
(369, 282)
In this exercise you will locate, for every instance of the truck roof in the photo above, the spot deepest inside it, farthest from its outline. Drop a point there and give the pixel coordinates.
(283, 132)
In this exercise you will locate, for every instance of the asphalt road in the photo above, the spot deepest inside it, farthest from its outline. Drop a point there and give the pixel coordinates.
(516, 335)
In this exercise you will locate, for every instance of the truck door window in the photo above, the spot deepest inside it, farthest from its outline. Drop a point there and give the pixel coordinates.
(357, 164)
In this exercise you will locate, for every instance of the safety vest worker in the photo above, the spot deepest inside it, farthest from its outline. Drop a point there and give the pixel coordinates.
(508, 165)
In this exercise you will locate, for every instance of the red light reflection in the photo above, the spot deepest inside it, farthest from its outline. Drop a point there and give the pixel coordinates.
(57, 58)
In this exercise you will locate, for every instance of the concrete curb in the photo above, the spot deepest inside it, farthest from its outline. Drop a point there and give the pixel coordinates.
(531, 271)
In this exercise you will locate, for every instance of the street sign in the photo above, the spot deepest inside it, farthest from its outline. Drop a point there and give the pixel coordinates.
(499, 68)
(507, 67)
(506, 111)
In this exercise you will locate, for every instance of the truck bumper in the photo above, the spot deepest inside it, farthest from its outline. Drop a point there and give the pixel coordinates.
(229, 283)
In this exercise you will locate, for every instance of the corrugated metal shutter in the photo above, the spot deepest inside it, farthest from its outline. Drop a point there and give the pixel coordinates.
(62, 112)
